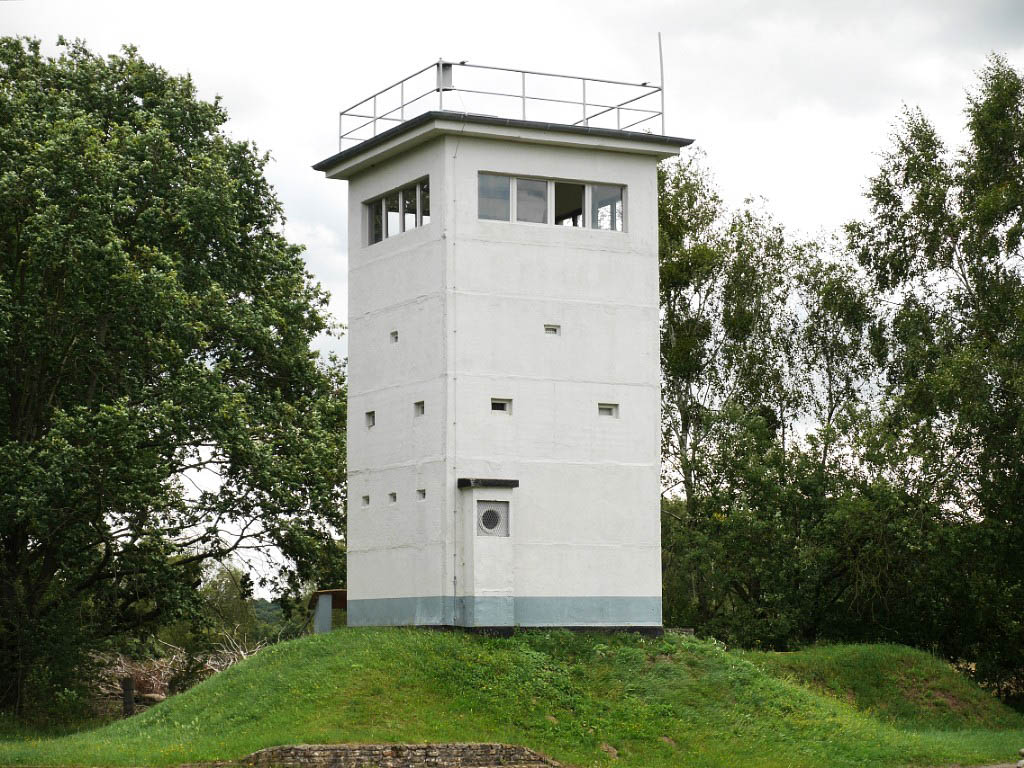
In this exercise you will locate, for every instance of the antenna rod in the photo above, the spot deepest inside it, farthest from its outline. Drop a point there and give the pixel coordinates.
(661, 66)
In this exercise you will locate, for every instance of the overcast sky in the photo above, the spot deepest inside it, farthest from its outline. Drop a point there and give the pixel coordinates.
(792, 101)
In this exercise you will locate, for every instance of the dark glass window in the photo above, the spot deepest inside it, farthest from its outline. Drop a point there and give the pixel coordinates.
(425, 203)
(532, 200)
(494, 194)
(375, 212)
(569, 204)
(409, 208)
(391, 211)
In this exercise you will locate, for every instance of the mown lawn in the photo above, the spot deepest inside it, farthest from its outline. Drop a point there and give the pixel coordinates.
(671, 701)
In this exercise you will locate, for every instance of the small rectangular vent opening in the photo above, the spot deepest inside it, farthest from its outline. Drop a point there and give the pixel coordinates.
(492, 518)
(366, 501)
(371, 419)
(394, 337)
(553, 330)
(608, 409)
(421, 494)
(418, 408)
(501, 405)
(392, 497)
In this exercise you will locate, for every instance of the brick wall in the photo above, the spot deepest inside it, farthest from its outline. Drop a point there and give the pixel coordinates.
(393, 756)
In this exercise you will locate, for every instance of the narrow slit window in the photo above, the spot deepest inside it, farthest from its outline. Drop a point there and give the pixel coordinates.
(553, 330)
(421, 494)
(375, 214)
(371, 419)
(494, 197)
(391, 211)
(409, 208)
(608, 409)
(532, 201)
(569, 204)
(392, 497)
(418, 408)
(606, 207)
(501, 405)
(366, 501)
(394, 337)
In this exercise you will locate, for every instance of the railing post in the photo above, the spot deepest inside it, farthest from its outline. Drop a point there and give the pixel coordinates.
(374, 115)
(661, 85)
(584, 101)
(401, 91)
(524, 95)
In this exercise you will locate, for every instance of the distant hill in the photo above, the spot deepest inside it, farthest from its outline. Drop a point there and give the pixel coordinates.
(583, 699)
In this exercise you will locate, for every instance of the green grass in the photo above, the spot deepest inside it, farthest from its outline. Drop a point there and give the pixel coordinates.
(894, 683)
(668, 701)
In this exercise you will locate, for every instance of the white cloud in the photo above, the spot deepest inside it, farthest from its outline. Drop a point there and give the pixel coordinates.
(792, 100)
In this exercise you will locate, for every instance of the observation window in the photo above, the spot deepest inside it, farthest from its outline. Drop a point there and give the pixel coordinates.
(409, 208)
(606, 207)
(532, 200)
(542, 201)
(391, 208)
(494, 197)
(569, 204)
(400, 210)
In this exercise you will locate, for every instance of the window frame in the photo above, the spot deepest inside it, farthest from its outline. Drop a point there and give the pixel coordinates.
(588, 188)
(589, 213)
(380, 202)
(514, 200)
(512, 191)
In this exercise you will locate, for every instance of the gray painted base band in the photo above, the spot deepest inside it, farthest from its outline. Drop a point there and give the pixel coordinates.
(506, 611)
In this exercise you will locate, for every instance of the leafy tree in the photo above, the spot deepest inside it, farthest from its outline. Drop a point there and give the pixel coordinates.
(943, 244)
(771, 536)
(727, 393)
(160, 405)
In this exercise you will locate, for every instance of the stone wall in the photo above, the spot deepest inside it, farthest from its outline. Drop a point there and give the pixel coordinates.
(392, 756)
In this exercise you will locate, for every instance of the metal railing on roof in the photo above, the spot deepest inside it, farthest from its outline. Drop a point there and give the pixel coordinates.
(504, 92)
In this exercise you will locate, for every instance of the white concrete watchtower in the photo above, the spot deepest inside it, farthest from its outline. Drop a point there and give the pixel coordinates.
(504, 430)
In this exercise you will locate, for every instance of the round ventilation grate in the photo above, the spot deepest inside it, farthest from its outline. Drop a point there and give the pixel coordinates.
(490, 519)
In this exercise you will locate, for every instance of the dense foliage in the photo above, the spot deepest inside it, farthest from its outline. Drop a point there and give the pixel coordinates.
(160, 405)
(844, 423)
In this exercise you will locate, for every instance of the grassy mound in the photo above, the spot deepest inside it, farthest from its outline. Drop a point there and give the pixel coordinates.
(654, 701)
(894, 683)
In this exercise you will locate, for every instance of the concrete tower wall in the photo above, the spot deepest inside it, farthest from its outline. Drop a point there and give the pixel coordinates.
(585, 542)
(470, 300)
(399, 552)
